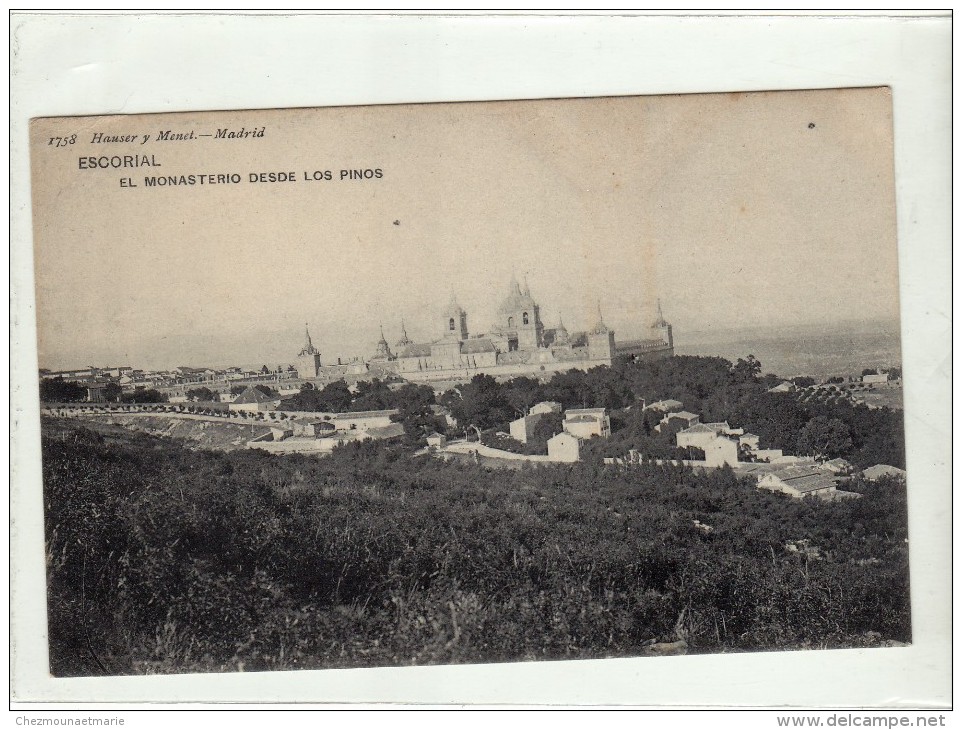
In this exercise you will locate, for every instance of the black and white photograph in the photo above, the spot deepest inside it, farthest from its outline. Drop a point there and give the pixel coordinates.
(621, 377)
(471, 383)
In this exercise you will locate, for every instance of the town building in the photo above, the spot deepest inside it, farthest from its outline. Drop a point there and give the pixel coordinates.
(721, 450)
(546, 406)
(800, 481)
(675, 422)
(882, 470)
(312, 427)
(363, 420)
(564, 447)
(768, 454)
(522, 429)
(838, 466)
(697, 436)
(95, 392)
(587, 422)
(665, 406)
(437, 440)
(251, 400)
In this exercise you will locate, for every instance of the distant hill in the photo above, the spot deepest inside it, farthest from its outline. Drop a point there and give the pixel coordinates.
(818, 350)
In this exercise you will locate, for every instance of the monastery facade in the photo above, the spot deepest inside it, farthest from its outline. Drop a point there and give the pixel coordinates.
(517, 344)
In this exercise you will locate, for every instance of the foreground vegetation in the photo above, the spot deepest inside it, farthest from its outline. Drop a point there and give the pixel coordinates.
(166, 559)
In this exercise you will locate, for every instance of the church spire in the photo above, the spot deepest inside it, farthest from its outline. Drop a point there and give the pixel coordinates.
(515, 288)
(453, 305)
(383, 351)
(660, 322)
(600, 327)
(561, 332)
(527, 291)
(308, 348)
(405, 340)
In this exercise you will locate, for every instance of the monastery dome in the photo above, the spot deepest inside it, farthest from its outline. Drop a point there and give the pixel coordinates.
(517, 299)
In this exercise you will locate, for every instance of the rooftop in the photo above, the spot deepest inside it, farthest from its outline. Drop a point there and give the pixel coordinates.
(804, 478)
(700, 428)
(882, 470)
(584, 412)
(252, 395)
(682, 414)
(584, 418)
(363, 414)
(385, 432)
(473, 345)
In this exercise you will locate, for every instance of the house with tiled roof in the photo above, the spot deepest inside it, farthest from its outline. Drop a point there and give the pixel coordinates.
(251, 400)
(564, 447)
(665, 406)
(697, 436)
(313, 427)
(800, 481)
(677, 421)
(587, 422)
(838, 466)
(522, 429)
(882, 470)
(437, 440)
(391, 431)
(353, 420)
(545, 406)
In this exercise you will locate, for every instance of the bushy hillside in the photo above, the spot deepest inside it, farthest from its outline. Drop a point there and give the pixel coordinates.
(166, 559)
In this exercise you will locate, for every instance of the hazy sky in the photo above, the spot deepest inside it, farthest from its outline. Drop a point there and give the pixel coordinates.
(735, 209)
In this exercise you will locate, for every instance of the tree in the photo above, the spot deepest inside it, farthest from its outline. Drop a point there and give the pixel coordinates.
(571, 389)
(482, 402)
(58, 390)
(265, 370)
(203, 393)
(746, 370)
(142, 395)
(522, 393)
(824, 437)
(372, 395)
(334, 397)
(803, 381)
(112, 392)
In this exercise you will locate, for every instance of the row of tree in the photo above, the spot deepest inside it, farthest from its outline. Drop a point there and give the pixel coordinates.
(58, 390)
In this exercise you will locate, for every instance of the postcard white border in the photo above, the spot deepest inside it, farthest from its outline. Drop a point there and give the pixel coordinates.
(128, 63)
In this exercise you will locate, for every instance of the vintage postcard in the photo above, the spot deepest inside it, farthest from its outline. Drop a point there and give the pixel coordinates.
(470, 383)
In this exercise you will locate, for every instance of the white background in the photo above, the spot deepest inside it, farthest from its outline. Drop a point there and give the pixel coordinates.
(95, 64)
